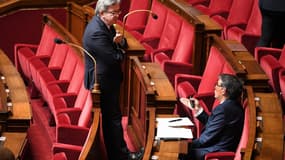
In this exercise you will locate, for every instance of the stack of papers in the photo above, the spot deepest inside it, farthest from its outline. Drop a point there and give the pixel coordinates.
(174, 128)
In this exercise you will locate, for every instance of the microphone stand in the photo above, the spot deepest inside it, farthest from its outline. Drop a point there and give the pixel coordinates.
(96, 85)
(135, 11)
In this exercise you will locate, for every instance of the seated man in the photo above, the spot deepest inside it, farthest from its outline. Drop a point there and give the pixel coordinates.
(223, 127)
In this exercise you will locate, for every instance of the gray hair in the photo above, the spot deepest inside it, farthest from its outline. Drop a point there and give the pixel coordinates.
(103, 5)
(233, 85)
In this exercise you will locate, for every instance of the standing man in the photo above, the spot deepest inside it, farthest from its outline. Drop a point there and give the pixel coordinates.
(273, 23)
(101, 40)
(223, 128)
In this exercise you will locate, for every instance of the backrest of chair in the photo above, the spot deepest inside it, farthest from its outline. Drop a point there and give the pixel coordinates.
(85, 116)
(77, 78)
(254, 21)
(245, 131)
(235, 14)
(170, 31)
(68, 66)
(137, 19)
(218, 5)
(282, 57)
(58, 56)
(213, 68)
(46, 45)
(154, 27)
(282, 87)
(184, 47)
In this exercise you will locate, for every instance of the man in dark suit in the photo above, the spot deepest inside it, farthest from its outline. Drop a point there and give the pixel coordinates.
(101, 40)
(223, 127)
(273, 24)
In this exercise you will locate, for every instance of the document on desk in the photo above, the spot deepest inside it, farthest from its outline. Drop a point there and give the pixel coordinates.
(167, 132)
(174, 122)
(174, 128)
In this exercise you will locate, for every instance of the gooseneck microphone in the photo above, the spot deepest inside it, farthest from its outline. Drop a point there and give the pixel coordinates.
(153, 15)
(96, 85)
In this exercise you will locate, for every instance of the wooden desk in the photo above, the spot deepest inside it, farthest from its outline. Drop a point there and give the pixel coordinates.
(15, 141)
(255, 76)
(135, 49)
(170, 150)
(165, 98)
(21, 109)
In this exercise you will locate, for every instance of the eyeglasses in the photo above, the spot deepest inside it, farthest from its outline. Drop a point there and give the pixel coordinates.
(114, 13)
(219, 85)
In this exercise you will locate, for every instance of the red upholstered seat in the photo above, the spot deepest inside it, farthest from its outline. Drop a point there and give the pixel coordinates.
(282, 88)
(59, 156)
(216, 7)
(202, 87)
(236, 17)
(251, 34)
(24, 52)
(271, 61)
(62, 86)
(56, 62)
(168, 38)
(196, 2)
(180, 61)
(154, 27)
(72, 104)
(137, 21)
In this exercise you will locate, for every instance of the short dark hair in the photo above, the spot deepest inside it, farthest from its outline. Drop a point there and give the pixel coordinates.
(233, 85)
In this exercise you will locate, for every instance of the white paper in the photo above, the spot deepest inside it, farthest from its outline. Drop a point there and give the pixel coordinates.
(166, 132)
(178, 121)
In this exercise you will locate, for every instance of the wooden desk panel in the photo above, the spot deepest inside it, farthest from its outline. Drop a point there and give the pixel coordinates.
(15, 141)
(271, 148)
(21, 109)
(269, 103)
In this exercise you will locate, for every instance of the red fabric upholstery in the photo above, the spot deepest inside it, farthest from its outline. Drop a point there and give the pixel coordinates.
(251, 34)
(181, 59)
(53, 74)
(168, 38)
(23, 52)
(56, 62)
(282, 88)
(59, 156)
(202, 87)
(154, 27)
(201, 2)
(66, 151)
(236, 17)
(271, 61)
(137, 21)
(216, 7)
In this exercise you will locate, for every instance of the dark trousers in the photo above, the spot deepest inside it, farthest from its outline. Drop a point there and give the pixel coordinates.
(111, 119)
(272, 29)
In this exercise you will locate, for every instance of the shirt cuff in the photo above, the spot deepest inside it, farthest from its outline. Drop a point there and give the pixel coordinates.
(199, 112)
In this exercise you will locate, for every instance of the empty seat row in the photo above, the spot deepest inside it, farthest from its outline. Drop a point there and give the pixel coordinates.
(56, 71)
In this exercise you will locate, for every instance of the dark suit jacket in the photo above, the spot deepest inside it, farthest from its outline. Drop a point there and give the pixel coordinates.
(223, 128)
(272, 5)
(98, 41)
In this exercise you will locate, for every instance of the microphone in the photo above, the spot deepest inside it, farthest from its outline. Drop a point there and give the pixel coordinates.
(153, 15)
(60, 41)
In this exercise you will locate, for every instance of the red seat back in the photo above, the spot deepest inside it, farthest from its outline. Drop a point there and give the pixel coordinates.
(170, 31)
(184, 47)
(137, 19)
(154, 27)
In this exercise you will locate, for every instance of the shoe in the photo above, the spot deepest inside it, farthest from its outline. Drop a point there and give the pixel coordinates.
(136, 155)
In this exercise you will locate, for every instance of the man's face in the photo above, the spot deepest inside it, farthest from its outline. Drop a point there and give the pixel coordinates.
(219, 90)
(111, 16)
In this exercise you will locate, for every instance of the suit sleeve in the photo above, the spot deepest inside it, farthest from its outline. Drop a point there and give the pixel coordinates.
(101, 43)
(214, 127)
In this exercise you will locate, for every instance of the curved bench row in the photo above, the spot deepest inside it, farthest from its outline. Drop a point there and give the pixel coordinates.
(61, 105)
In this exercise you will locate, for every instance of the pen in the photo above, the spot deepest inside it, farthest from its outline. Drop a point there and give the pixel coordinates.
(174, 120)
